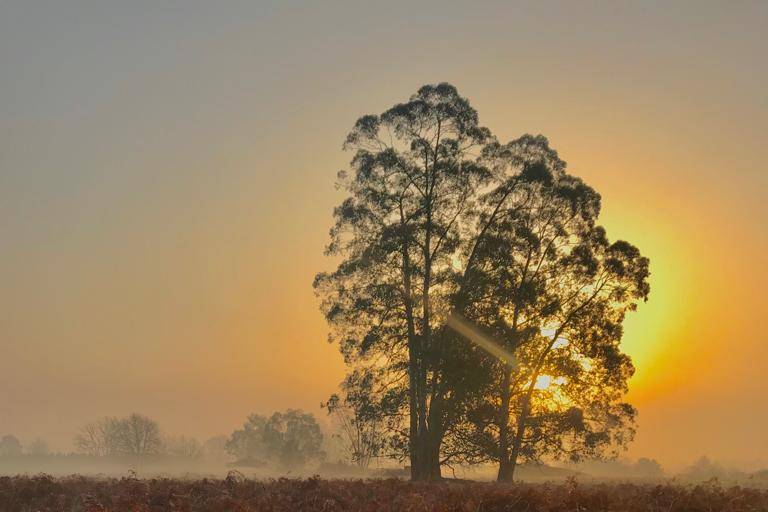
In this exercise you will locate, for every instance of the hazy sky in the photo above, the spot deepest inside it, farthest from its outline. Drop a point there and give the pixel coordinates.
(167, 179)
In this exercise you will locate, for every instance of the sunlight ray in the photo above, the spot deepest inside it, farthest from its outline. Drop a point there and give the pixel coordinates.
(464, 327)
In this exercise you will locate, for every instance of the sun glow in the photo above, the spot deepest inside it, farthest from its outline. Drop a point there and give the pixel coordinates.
(547, 381)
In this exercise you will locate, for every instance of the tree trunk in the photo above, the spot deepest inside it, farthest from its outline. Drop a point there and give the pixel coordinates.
(426, 330)
(522, 419)
(511, 463)
(430, 456)
(424, 465)
(506, 470)
(434, 435)
(504, 426)
(413, 366)
(432, 470)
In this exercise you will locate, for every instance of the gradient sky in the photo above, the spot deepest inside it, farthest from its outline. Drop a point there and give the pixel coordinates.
(167, 179)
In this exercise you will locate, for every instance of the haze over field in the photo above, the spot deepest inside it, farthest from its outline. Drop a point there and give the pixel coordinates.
(166, 188)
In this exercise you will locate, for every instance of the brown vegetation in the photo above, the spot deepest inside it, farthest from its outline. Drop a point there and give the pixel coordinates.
(236, 493)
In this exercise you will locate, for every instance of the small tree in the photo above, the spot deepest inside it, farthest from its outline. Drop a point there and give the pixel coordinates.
(648, 468)
(139, 436)
(246, 445)
(10, 445)
(359, 428)
(215, 448)
(99, 438)
(38, 447)
(290, 439)
(182, 446)
(293, 438)
(135, 435)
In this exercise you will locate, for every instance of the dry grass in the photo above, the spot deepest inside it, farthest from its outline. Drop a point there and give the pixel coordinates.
(237, 494)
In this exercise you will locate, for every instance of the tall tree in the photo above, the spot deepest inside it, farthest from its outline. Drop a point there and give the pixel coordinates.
(414, 174)
(553, 292)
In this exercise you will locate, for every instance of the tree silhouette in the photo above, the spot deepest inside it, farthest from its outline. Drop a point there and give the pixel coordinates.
(553, 291)
(414, 173)
(441, 222)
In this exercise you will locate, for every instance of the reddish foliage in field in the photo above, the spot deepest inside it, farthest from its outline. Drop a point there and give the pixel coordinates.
(237, 494)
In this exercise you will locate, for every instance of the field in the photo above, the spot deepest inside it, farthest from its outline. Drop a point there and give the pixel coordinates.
(83, 494)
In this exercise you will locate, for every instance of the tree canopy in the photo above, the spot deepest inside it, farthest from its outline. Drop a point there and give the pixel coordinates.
(443, 223)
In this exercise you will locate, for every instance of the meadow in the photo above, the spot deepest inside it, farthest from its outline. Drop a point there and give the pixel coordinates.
(236, 493)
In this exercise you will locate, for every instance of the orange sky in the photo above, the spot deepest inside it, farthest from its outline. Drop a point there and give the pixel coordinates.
(167, 180)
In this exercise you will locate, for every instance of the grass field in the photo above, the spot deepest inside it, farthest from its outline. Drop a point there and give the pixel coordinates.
(237, 494)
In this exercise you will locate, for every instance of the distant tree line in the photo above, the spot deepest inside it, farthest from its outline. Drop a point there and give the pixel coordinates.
(10, 446)
(478, 302)
(289, 440)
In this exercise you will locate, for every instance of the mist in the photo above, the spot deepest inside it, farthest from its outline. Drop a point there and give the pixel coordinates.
(184, 457)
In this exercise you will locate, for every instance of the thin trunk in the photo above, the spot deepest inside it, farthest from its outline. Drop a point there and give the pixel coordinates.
(504, 426)
(423, 438)
(522, 421)
(505, 468)
(425, 327)
(413, 358)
